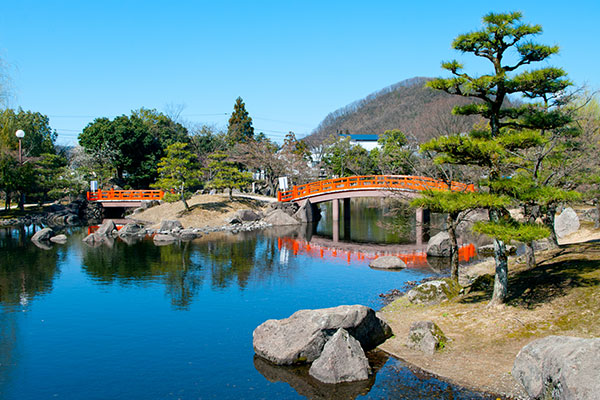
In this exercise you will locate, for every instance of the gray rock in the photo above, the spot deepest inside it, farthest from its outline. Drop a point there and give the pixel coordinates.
(433, 292)
(307, 213)
(342, 360)
(130, 229)
(387, 262)
(92, 238)
(106, 228)
(162, 238)
(566, 222)
(59, 239)
(169, 225)
(42, 235)
(560, 367)
(301, 337)
(247, 215)
(212, 192)
(188, 234)
(439, 245)
(425, 336)
(279, 218)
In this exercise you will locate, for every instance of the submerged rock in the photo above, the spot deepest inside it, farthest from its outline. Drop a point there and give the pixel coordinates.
(342, 360)
(163, 239)
(388, 262)
(425, 336)
(301, 337)
(434, 292)
(560, 367)
(59, 239)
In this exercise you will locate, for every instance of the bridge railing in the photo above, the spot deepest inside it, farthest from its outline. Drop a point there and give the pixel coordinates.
(406, 182)
(125, 195)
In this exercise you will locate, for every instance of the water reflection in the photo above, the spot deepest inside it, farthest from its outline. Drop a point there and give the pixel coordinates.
(29, 274)
(305, 385)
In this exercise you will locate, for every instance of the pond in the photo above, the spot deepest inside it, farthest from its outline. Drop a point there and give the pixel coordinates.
(135, 320)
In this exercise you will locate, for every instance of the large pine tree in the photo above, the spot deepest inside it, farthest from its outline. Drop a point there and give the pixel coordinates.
(240, 128)
(507, 44)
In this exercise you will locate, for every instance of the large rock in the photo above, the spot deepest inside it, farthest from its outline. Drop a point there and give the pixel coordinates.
(425, 336)
(301, 337)
(93, 239)
(170, 225)
(342, 360)
(42, 235)
(163, 239)
(388, 262)
(247, 215)
(307, 213)
(560, 367)
(439, 245)
(434, 292)
(130, 229)
(566, 223)
(279, 217)
(188, 234)
(106, 228)
(59, 239)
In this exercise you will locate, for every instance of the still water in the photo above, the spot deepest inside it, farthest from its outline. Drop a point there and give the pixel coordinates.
(138, 321)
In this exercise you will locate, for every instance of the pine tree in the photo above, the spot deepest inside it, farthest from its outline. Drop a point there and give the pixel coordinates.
(240, 128)
(178, 170)
(225, 175)
(510, 128)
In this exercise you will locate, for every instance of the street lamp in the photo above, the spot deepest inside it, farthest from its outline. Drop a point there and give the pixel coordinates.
(20, 134)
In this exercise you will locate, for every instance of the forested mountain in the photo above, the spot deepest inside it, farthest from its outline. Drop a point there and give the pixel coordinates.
(421, 113)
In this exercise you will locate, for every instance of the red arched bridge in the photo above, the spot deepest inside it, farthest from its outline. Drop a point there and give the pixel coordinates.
(366, 186)
(124, 198)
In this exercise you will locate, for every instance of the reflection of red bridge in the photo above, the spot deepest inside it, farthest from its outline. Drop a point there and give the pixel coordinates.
(417, 259)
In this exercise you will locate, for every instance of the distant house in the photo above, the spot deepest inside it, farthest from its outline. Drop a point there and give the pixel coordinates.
(366, 141)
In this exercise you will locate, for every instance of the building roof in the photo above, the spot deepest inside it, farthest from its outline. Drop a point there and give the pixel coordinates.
(363, 137)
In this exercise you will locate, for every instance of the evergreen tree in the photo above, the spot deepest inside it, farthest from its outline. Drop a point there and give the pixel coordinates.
(224, 174)
(510, 128)
(240, 128)
(178, 171)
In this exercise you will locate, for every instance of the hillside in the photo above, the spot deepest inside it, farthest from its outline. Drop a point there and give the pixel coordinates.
(421, 113)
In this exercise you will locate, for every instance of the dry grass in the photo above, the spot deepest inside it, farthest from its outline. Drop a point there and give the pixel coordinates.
(205, 210)
(561, 296)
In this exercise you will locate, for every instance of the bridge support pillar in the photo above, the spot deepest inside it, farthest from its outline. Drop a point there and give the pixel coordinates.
(335, 210)
(422, 225)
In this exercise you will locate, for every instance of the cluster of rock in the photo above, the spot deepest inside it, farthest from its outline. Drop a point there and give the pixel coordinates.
(55, 215)
(334, 340)
(560, 367)
(43, 237)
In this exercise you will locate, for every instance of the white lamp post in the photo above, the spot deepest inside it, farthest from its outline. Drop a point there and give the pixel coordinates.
(20, 134)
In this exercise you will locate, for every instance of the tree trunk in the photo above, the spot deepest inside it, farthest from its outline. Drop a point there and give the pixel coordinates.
(22, 201)
(450, 222)
(187, 208)
(501, 276)
(230, 193)
(549, 221)
(530, 255)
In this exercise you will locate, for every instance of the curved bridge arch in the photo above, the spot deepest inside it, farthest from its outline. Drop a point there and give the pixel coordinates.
(365, 186)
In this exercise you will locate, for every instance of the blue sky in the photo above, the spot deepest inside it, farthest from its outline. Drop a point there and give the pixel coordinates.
(292, 62)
